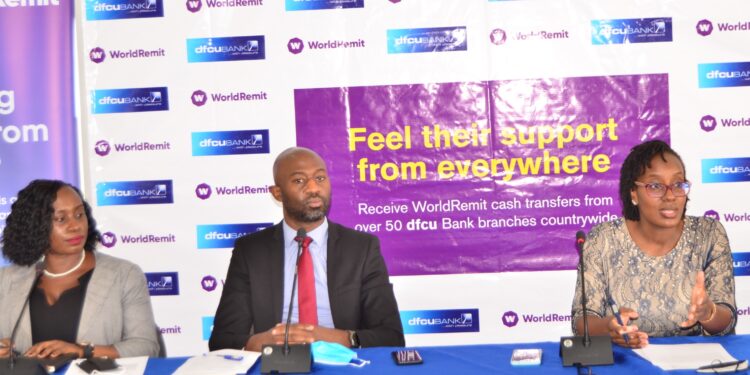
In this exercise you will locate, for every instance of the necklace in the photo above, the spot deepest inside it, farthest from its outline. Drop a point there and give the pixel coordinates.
(68, 272)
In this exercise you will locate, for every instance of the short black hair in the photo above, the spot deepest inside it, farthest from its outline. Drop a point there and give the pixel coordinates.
(634, 166)
(28, 226)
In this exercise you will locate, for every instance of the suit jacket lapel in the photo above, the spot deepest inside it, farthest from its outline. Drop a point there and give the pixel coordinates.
(333, 263)
(102, 280)
(19, 290)
(277, 270)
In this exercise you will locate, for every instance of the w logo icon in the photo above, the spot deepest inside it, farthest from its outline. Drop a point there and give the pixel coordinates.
(704, 27)
(198, 98)
(510, 319)
(97, 55)
(708, 123)
(108, 239)
(203, 191)
(102, 148)
(712, 214)
(194, 5)
(208, 283)
(295, 45)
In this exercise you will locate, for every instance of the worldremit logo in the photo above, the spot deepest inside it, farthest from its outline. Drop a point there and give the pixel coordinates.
(28, 3)
(708, 123)
(120, 9)
(134, 192)
(98, 54)
(635, 30)
(204, 190)
(108, 239)
(438, 39)
(102, 148)
(726, 170)
(209, 283)
(705, 27)
(296, 45)
(292, 5)
(199, 97)
(230, 142)
(440, 321)
(163, 283)
(231, 48)
(499, 36)
(208, 326)
(129, 100)
(219, 236)
(196, 5)
(510, 319)
(724, 74)
(741, 263)
(173, 330)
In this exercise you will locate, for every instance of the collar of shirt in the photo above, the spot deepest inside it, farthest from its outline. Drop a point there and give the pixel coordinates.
(319, 235)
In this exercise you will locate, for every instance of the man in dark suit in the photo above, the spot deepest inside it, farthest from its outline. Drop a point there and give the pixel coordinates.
(355, 302)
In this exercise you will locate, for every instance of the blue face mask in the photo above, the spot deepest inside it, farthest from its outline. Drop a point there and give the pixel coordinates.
(328, 353)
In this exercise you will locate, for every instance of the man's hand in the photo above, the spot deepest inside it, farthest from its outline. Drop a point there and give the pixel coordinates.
(4, 348)
(53, 348)
(298, 334)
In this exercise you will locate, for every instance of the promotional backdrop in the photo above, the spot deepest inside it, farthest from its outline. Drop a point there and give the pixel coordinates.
(473, 137)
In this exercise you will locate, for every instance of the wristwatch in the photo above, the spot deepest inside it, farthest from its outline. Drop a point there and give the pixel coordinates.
(353, 339)
(88, 349)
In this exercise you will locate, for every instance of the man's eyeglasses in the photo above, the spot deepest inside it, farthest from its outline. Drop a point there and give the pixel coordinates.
(657, 190)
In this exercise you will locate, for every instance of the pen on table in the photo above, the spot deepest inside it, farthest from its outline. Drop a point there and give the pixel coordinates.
(616, 313)
(722, 364)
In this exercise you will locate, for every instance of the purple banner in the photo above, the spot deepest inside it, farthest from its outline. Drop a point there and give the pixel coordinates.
(37, 125)
(474, 177)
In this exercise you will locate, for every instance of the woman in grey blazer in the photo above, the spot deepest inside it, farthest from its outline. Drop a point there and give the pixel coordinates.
(81, 302)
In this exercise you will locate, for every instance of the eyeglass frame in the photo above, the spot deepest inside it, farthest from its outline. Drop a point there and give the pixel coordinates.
(666, 188)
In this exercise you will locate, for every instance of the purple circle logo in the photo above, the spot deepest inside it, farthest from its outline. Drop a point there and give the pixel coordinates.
(199, 98)
(203, 191)
(510, 319)
(708, 123)
(193, 5)
(395, 1)
(102, 148)
(108, 239)
(712, 214)
(295, 45)
(704, 27)
(498, 37)
(209, 283)
(97, 55)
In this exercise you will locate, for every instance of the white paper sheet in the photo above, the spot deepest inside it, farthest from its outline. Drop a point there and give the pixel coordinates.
(128, 366)
(219, 362)
(684, 356)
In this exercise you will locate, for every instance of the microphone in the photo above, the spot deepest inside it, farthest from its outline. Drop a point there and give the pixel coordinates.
(23, 365)
(287, 358)
(585, 350)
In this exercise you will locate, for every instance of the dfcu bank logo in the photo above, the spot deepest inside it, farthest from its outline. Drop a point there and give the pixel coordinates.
(231, 48)
(231, 142)
(163, 283)
(118, 9)
(440, 321)
(208, 326)
(741, 264)
(438, 39)
(129, 100)
(724, 74)
(134, 192)
(635, 30)
(219, 236)
(323, 4)
(726, 170)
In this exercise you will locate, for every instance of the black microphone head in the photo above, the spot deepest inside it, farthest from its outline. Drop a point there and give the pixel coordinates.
(580, 239)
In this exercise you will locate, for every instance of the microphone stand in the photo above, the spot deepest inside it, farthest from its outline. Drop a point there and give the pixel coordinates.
(284, 359)
(586, 350)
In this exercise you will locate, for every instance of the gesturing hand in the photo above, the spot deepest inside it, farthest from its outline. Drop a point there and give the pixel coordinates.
(701, 306)
(636, 338)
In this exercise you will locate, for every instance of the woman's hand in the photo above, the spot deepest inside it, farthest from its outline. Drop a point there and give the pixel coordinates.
(636, 338)
(701, 307)
(53, 348)
(4, 348)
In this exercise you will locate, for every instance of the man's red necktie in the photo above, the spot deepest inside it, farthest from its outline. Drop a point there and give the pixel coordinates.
(308, 307)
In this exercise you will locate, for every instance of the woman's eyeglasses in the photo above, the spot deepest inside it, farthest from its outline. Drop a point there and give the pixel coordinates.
(657, 190)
